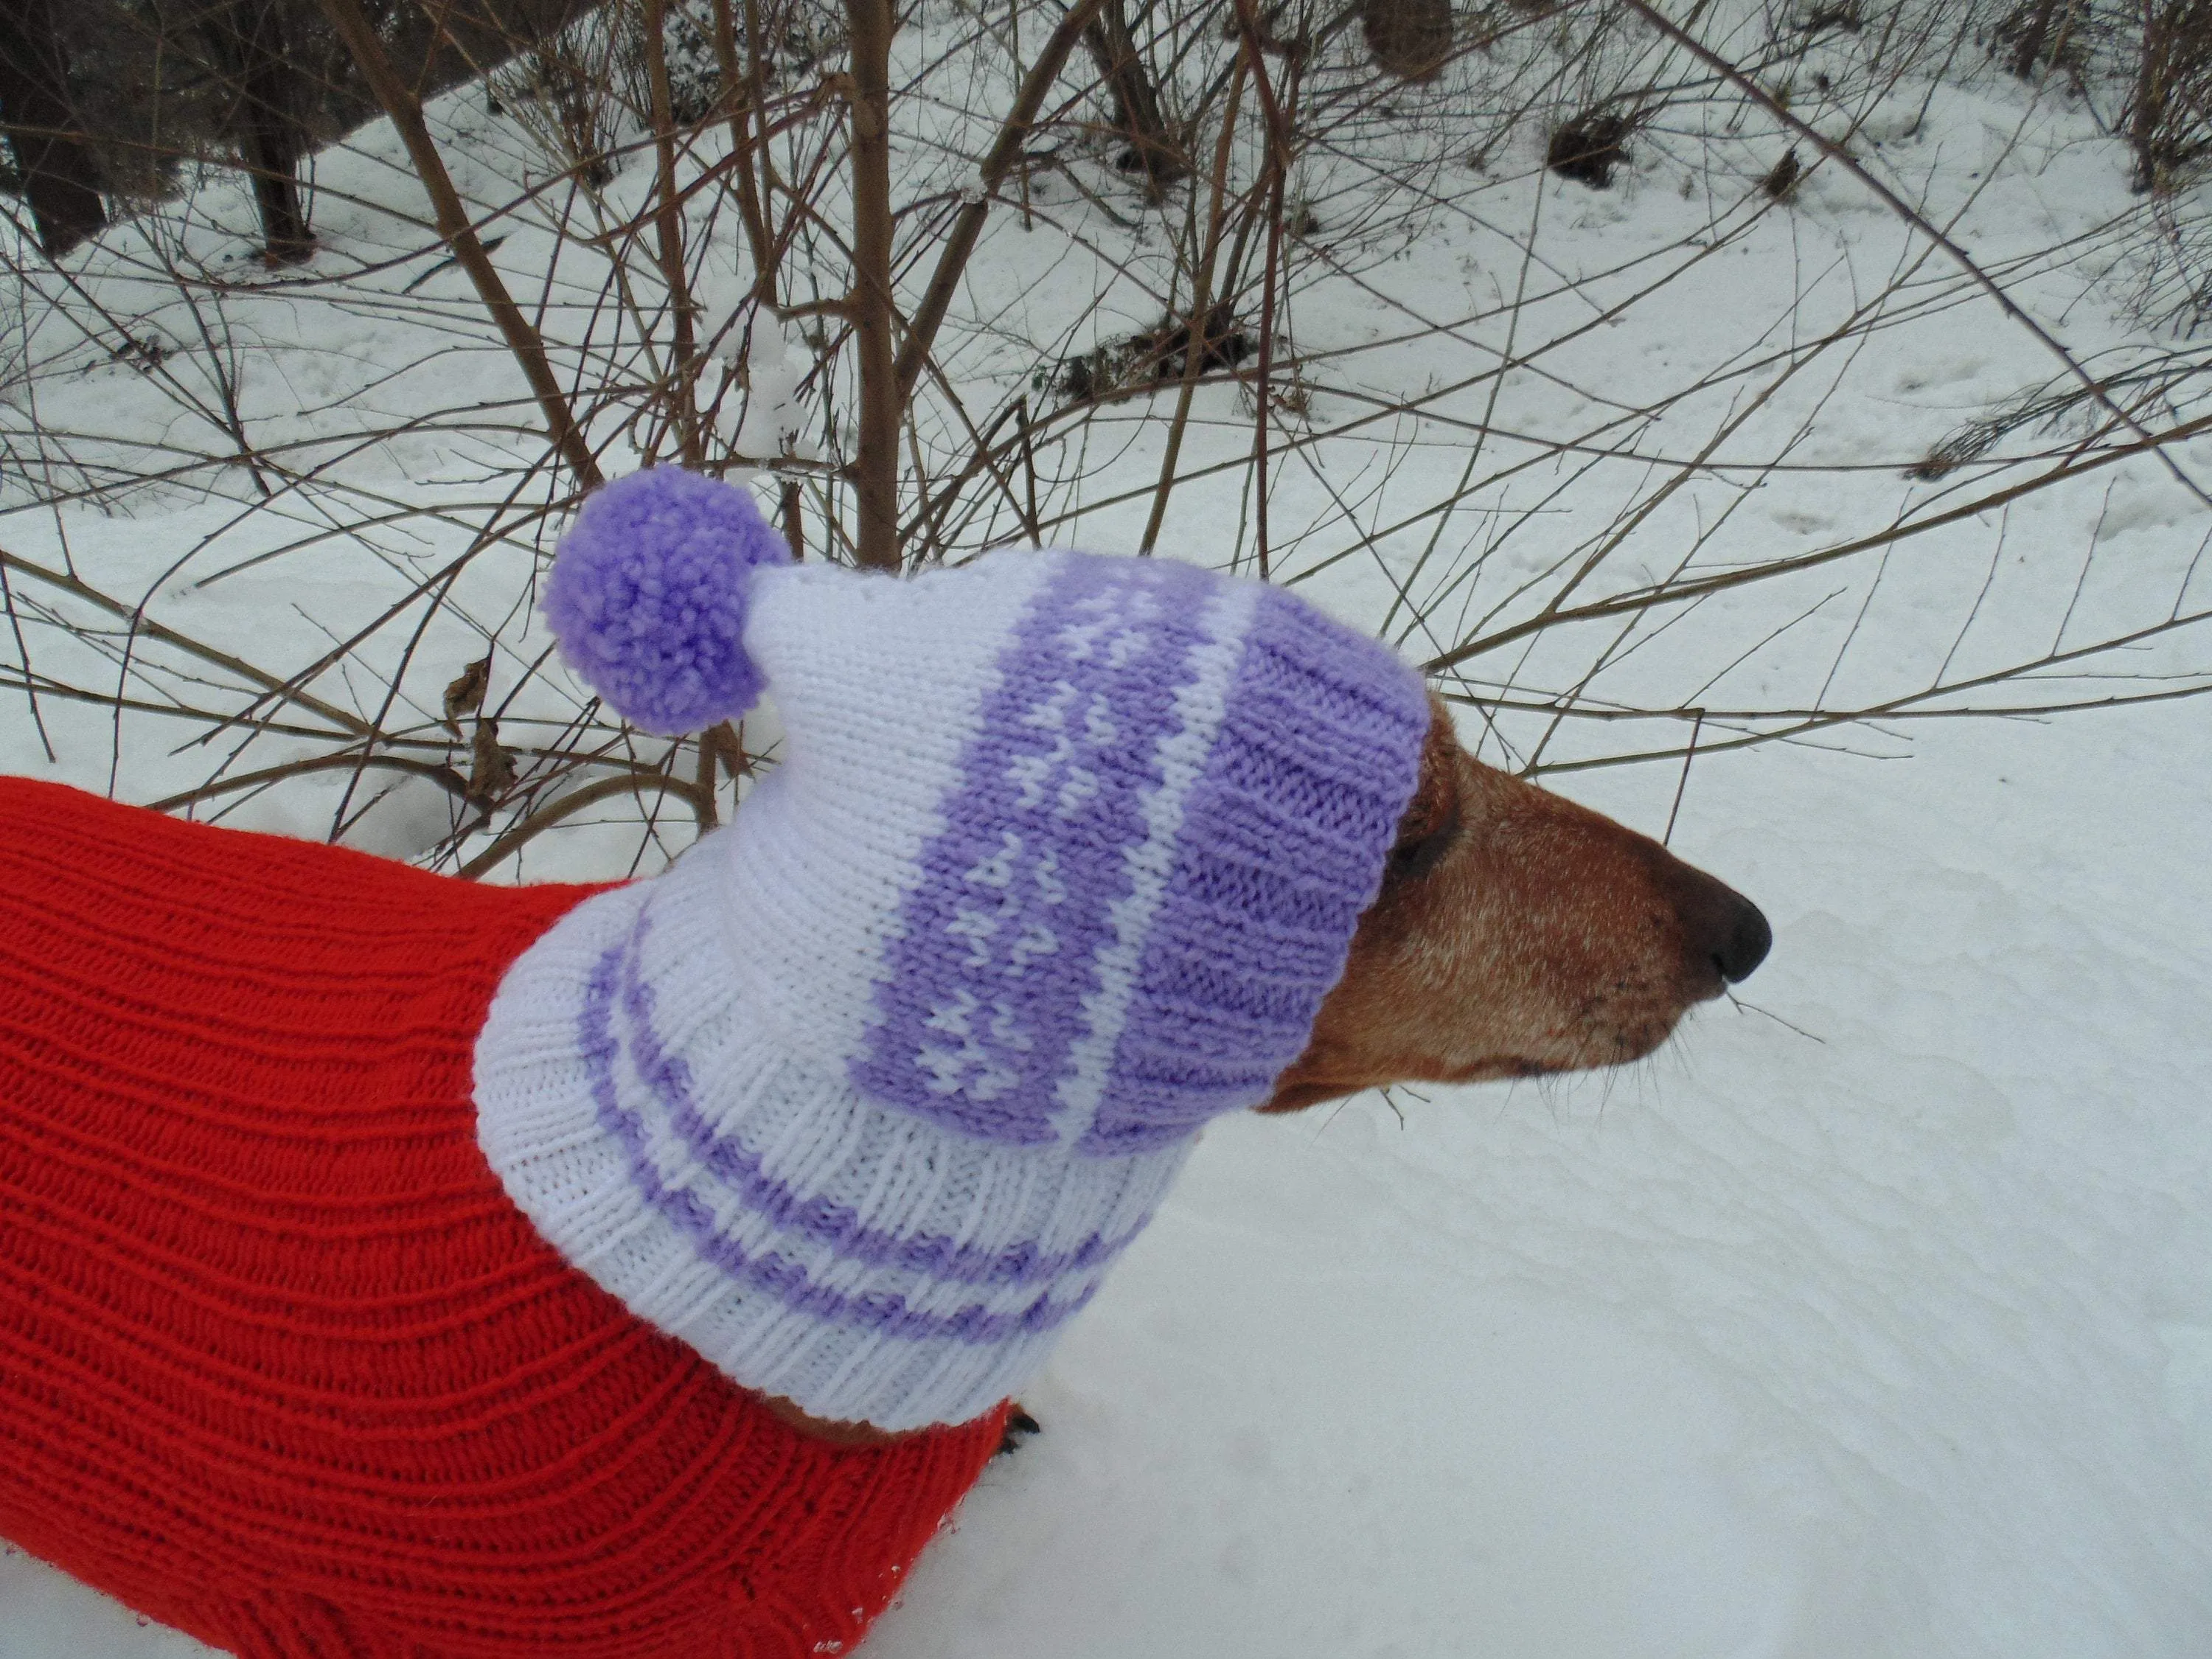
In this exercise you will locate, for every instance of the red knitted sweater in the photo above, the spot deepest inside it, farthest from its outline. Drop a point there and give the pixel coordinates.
(280, 1365)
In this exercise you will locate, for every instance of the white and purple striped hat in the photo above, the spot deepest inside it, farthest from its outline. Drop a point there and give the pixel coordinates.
(862, 1097)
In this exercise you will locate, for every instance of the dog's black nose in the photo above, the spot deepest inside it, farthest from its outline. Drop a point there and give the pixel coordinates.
(1746, 941)
(1722, 932)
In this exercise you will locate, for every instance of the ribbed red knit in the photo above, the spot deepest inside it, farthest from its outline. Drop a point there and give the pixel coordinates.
(280, 1364)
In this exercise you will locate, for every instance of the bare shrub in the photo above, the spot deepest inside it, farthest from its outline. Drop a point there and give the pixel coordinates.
(2169, 116)
(893, 276)
(1587, 147)
(567, 93)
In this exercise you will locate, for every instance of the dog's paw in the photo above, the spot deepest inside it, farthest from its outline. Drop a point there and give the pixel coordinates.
(1019, 1426)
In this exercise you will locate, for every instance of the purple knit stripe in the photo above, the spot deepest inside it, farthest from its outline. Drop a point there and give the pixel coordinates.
(882, 1313)
(1283, 838)
(981, 993)
(669, 1078)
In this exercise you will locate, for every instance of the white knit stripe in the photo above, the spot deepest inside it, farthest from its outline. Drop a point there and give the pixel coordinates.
(1179, 758)
(999, 1214)
(882, 686)
(534, 1116)
(846, 1372)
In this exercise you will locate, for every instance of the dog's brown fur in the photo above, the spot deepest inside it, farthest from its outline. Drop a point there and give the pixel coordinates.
(1516, 933)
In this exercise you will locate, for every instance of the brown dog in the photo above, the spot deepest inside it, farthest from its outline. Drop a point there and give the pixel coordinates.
(1516, 934)
(281, 1364)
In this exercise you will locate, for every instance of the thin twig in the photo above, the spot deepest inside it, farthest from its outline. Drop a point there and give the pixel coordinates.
(876, 463)
(440, 773)
(960, 240)
(1666, 839)
(405, 109)
(668, 224)
(514, 840)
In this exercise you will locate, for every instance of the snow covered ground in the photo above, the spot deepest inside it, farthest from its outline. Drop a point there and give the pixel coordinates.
(1873, 1318)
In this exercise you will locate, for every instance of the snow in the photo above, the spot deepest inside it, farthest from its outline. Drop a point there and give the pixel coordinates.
(1871, 1318)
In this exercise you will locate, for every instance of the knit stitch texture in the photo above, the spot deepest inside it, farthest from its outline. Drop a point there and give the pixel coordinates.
(650, 597)
(863, 1097)
(280, 1365)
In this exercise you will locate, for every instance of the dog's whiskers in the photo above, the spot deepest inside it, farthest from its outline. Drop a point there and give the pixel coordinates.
(1322, 1128)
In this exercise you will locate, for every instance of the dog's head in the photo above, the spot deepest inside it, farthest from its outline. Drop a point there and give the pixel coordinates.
(1517, 933)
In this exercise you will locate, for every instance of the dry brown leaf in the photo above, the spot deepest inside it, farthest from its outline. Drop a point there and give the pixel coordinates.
(465, 695)
(491, 767)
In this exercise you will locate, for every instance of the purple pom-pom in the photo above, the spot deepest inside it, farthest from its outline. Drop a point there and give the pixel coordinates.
(648, 597)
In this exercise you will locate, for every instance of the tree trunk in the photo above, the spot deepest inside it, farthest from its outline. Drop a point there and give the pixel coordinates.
(61, 179)
(875, 466)
(2030, 27)
(1153, 150)
(249, 39)
(2147, 109)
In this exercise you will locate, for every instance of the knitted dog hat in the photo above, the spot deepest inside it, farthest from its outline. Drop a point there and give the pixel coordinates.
(863, 1095)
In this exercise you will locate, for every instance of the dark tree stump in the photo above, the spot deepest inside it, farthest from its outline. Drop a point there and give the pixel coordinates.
(1589, 148)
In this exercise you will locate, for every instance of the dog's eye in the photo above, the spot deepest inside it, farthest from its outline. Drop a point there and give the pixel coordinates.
(1425, 835)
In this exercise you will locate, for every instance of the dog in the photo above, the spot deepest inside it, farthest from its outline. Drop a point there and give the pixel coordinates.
(1515, 933)
(395, 1266)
